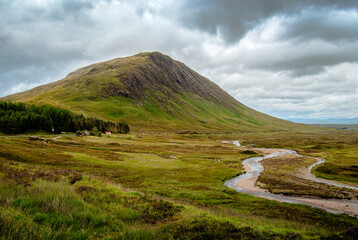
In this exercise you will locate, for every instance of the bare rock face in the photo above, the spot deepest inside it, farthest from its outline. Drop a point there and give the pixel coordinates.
(153, 73)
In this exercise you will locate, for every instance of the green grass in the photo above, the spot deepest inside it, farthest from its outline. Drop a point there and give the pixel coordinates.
(142, 186)
(342, 164)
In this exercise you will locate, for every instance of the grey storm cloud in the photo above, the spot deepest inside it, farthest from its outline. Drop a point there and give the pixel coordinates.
(286, 58)
(306, 58)
(234, 18)
(32, 48)
(333, 27)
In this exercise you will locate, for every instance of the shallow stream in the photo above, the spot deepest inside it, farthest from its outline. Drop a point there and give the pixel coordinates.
(256, 168)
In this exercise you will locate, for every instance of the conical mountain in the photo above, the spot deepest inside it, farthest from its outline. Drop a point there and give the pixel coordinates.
(151, 92)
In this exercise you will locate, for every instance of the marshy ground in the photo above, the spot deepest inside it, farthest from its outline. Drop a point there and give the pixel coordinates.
(160, 186)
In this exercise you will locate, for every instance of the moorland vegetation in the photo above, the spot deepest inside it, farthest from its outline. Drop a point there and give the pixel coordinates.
(152, 186)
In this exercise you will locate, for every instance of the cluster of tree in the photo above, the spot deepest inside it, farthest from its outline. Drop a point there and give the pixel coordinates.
(19, 117)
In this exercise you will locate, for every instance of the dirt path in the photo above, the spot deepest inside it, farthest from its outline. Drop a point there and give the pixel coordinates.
(247, 183)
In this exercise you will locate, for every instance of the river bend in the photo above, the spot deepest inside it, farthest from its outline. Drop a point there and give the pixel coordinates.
(246, 182)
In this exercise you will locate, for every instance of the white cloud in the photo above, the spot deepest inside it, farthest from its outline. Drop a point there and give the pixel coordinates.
(288, 64)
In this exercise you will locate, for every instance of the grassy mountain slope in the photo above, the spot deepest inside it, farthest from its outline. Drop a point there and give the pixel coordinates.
(151, 92)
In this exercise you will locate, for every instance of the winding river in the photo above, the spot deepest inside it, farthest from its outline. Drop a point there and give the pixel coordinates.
(246, 183)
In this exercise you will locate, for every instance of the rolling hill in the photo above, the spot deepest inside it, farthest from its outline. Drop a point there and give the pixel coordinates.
(151, 92)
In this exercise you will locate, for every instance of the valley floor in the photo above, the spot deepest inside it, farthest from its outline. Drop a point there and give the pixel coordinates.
(162, 186)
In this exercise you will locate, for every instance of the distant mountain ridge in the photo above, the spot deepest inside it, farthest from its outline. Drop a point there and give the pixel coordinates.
(325, 121)
(151, 92)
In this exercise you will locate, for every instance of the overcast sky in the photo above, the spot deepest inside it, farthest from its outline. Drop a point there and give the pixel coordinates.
(290, 59)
